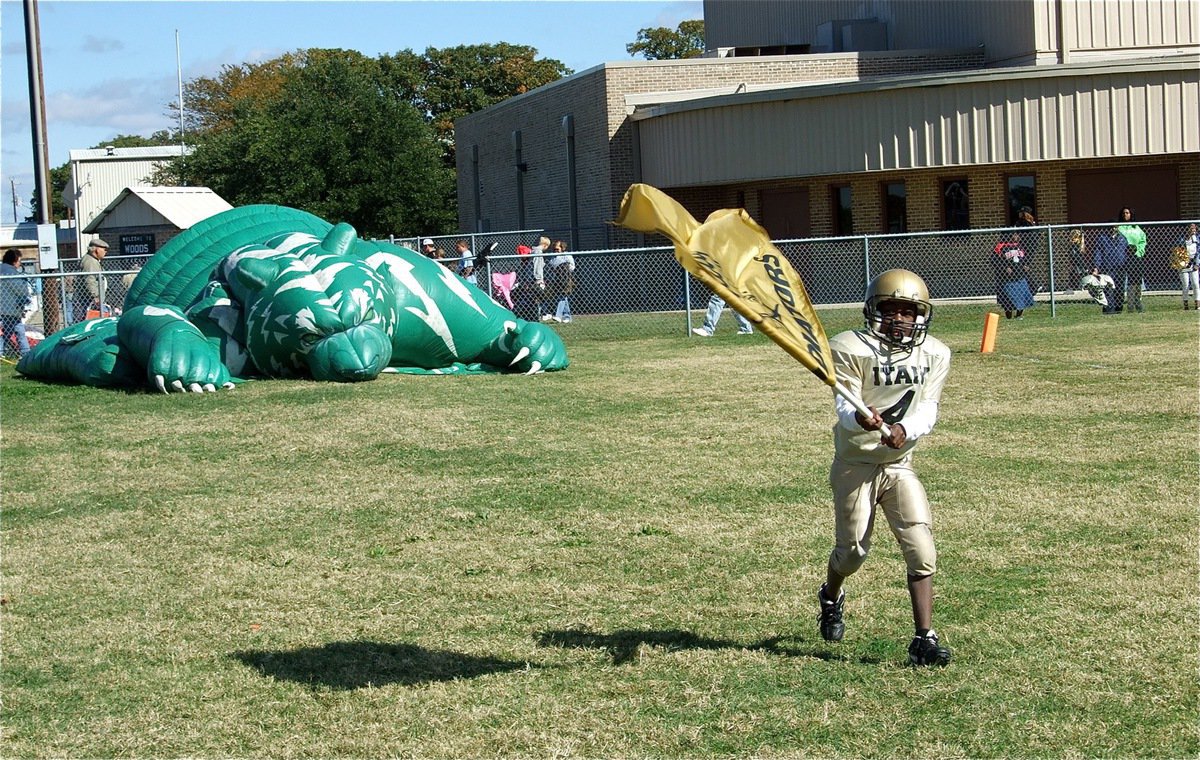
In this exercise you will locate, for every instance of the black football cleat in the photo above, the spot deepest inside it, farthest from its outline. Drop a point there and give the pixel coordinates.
(925, 651)
(832, 628)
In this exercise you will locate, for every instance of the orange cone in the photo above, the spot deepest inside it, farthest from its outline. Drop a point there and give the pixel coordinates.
(991, 323)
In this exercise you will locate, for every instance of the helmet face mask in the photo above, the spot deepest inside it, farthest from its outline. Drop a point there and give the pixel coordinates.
(897, 308)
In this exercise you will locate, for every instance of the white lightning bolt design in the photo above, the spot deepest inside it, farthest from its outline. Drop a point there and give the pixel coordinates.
(403, 272)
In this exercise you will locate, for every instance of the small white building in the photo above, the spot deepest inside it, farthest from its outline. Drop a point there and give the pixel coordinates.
(139, 220)
(98, 175)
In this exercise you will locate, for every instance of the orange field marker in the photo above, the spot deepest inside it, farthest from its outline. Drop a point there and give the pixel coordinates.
(991, 323)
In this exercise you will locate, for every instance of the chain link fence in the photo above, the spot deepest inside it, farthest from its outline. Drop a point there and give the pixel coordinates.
(639, 292)
(447, 245)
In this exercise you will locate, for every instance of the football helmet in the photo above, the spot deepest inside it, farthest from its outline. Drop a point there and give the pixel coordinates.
(906, 287)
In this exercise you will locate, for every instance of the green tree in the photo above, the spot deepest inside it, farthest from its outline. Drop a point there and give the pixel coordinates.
(250, 125)
(461, 80)
(329, 139)
(661, 44)
(208, 102)
(61, 175)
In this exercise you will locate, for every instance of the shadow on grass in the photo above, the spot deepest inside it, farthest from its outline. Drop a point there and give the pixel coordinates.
(357, 664)
(623, 646)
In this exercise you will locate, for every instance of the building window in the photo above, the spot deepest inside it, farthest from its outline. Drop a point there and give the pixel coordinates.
(1022, 191)
(842, 211)
(956, 206)
(895, 208)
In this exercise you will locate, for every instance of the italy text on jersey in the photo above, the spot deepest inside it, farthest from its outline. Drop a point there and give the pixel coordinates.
(899, 374)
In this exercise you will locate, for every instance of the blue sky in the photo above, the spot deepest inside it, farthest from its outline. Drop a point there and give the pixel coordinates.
(109, 68)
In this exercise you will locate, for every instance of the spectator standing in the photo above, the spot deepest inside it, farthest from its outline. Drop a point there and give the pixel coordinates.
(1012, 283)
(1077, 252)
(91, 290)
(16, 293)
(1029, 240)
(531, 281)
(1136, 267)
(1189, 272)
(466, 261)
(538, 266)
(1111, 258)
(716, 305)
(427, 249)
(560, 282)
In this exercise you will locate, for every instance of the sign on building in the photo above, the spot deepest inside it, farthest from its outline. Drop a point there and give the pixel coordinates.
(136, 245)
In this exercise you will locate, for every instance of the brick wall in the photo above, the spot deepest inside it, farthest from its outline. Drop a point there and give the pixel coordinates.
(988, 193)
(605, 151)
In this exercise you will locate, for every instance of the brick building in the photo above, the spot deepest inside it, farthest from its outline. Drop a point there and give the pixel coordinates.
(827, 117)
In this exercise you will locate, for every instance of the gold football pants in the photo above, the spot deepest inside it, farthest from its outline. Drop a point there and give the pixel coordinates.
(858, 490)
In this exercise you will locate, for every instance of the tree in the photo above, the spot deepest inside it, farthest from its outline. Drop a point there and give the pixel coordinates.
(209, 101)
(61, 175)
(661, 44)
(292, 130)
(328, 138)
(461, 80)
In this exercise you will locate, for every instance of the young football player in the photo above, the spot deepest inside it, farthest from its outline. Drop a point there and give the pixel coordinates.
(898, 370)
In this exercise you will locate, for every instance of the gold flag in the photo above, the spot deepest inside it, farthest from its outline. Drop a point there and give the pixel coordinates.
(733, 255)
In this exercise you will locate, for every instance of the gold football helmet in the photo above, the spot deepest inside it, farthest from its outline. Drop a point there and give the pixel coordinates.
(905, 287)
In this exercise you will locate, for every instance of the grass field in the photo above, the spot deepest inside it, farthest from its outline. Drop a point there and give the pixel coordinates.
(618, 560)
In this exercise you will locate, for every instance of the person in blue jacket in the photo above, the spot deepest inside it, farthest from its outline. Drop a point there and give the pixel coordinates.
(1111, 257)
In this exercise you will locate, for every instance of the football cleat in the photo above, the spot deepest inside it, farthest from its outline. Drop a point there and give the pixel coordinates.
(832, 628)
(925, 650)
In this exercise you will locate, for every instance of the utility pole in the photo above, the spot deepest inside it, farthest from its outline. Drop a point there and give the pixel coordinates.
(179, 75)
(13, 183)
(52, 305)
(37, 110)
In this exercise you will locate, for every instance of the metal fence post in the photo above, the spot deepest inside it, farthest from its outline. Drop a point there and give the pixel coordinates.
(866, 262)
(68, 308)
(687, 302)
(1050, 257)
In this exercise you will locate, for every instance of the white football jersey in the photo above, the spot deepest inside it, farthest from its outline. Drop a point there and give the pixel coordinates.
(896, 381)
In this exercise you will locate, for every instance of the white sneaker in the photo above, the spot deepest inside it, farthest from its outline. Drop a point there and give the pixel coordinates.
(745, 332)
(549, 318)
(701, 332)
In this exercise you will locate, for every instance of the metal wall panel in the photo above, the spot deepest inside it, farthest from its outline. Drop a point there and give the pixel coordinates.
(1006, 28)
(102, 181)
(982, 121)
(1012, 31)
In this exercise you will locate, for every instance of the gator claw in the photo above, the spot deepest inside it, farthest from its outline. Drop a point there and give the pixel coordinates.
(520, 355)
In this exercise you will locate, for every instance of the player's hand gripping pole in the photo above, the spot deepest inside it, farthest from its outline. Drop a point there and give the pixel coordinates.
(788, 344)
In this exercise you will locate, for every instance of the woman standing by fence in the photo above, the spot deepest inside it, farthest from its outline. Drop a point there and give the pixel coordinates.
(1012, 283)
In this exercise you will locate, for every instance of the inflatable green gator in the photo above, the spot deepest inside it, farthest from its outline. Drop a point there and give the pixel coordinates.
(270, 291)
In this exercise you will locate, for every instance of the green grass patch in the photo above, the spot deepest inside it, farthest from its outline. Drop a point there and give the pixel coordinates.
(618, 560)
